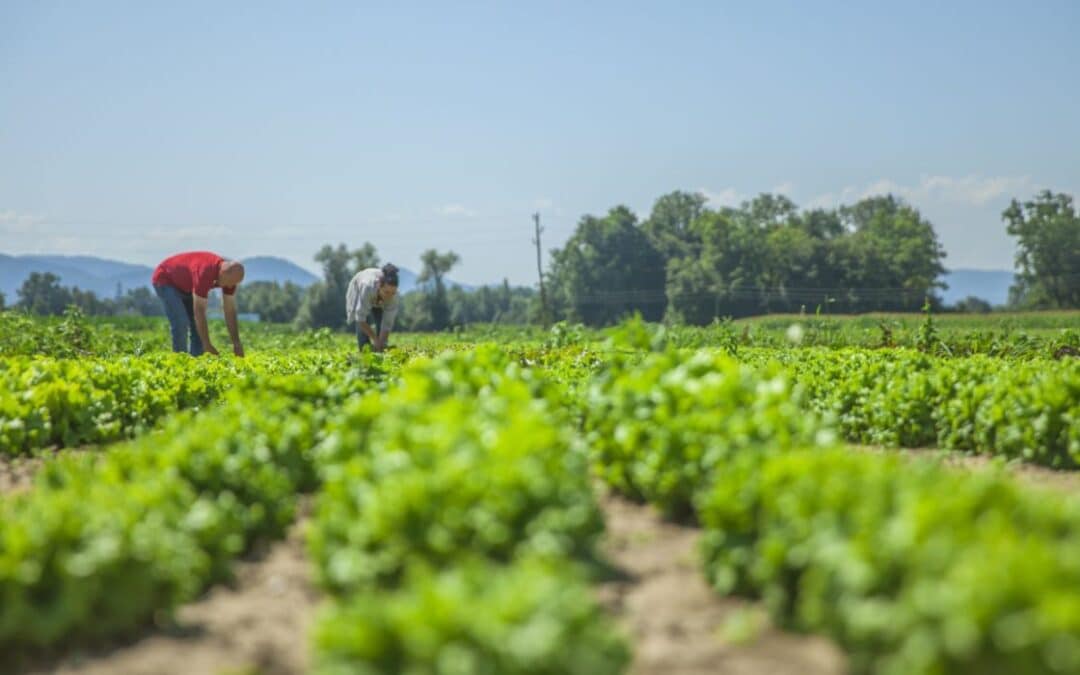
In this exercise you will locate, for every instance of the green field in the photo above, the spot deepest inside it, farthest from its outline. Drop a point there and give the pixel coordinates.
(457, 483)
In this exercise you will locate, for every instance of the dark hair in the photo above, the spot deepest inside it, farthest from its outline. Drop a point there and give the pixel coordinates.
(389, 274)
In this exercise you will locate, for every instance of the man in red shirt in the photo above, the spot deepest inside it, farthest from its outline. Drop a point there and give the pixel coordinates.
(183, 282)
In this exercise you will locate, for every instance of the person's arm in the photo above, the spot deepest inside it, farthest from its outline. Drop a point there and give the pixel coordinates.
(199, 306)
(370, 332)
(228, 304)
(389, 315)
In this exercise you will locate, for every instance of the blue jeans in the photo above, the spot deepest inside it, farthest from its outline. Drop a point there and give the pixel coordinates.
(361, 337)
(180, 311)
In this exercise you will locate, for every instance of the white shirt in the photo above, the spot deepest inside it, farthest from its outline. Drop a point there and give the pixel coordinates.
(363, 296)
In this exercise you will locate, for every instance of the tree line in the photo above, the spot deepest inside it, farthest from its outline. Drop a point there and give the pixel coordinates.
(688, 263)
(683, 263)
(42, 293)
(434, 305)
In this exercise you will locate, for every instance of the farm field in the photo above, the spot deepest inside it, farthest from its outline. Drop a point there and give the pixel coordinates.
(635, 500)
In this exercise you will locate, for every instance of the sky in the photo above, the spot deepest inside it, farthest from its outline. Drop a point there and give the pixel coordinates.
(133, 130)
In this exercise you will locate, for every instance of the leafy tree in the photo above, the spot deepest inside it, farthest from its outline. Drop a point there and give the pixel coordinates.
(493, 304)
(272, 301)
(90, 304)
(1048, 251)
(694, 291)
(820, 223)
(670, 224)
(488, 304)
(41, 293)
(609, 269)
(435, 267)
(898, 258)
(792, 268)
(364, 257)
(324, 302)
(2, 301)
(768, 210)
(973, 305)
(759, 257)
(139, 301)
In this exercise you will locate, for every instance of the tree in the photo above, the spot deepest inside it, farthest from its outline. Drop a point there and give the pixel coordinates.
(140, 301)
(670, 224)
(41, 293)
(435, 267)
(973, 305)
(90, 303)
(792, 268)
(820, 223)
(364, 257)
(2, 301)
(1048, 251)
(273, 302)
(490, 304)
(757, 258)
(609, 269)
(768, 210)
(897, 256)
(694, 291)
(324, 302)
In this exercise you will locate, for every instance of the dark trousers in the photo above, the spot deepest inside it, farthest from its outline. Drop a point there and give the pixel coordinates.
(180, 310)
(375, 321)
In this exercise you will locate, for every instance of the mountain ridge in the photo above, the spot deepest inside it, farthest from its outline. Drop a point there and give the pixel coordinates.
(105, 277)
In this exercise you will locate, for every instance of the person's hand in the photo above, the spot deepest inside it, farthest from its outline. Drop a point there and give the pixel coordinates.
(211, 349)
(238, 349)
(377, 344)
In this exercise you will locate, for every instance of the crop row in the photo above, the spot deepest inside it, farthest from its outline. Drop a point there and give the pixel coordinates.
(455, 530)
(104, 541)
(1028, 410)
(69, 402)
(911, 566)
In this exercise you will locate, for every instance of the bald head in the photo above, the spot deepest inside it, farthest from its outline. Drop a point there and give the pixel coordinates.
(232, 273)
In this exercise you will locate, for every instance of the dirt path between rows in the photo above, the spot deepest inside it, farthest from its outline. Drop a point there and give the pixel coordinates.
(258, 625)
(677, 625)
(1028, 475)
(1031, 475)
(17, 473)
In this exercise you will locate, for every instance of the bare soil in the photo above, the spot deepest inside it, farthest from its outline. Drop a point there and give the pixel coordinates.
(17, 473)
(257, 625)
(1030, 475)
(676, 623)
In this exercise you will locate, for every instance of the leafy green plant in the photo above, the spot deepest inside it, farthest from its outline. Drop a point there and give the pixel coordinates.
(478, 618)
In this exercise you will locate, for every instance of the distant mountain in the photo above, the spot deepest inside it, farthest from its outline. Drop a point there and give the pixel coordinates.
(990, 285)
(269, 268)
(88, 273)
(102, 276)
(96, 267)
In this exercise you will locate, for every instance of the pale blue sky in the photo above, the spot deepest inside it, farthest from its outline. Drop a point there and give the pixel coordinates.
(133, 129)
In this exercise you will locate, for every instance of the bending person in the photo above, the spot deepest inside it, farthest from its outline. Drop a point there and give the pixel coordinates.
(183, 283)
(372, 302)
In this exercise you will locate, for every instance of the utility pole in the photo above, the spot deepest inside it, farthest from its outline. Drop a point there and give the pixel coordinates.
(540, 272)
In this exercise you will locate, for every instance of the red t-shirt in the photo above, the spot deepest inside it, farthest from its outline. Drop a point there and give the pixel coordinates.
(194, 272)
